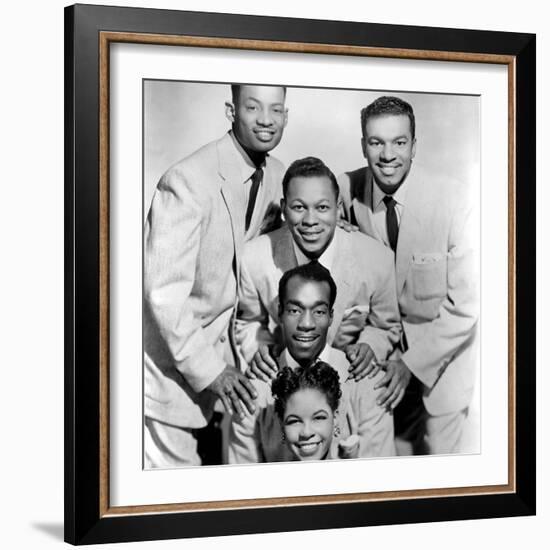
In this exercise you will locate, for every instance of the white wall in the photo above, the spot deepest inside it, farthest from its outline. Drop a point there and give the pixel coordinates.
(31, 423)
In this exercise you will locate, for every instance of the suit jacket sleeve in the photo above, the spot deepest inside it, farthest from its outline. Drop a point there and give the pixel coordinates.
(383, 329)
(244, 442)
(374, 423)
(434, 343)
(252, 325)
(172, 240)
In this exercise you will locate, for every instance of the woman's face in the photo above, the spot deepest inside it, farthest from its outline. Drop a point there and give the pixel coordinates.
(308, 424)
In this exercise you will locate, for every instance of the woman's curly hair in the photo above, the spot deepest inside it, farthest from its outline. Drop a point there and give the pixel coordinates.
(319, 376)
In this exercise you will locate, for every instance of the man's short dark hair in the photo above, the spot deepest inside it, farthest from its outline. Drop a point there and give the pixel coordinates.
(309, 167)
(236, 88)
(387, 105)
(312, 271)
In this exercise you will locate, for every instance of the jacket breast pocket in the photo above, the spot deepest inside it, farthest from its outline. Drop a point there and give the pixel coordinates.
(429, 275)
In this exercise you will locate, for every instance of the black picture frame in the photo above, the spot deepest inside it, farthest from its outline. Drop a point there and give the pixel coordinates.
(87, 519)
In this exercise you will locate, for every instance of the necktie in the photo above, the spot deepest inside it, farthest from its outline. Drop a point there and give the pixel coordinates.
(256, 180)
(391, 221)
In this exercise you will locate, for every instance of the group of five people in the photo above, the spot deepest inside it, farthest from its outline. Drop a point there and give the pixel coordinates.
(311, 325)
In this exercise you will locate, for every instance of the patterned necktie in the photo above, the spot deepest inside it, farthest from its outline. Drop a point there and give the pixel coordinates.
(391, 221)
(257, 177)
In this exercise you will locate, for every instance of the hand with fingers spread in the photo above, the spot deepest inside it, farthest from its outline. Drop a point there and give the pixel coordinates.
(362, 361)
(263, 364)
(396, 380)
(234, 390)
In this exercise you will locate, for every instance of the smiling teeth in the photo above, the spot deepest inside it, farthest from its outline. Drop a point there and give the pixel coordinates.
(308, 446)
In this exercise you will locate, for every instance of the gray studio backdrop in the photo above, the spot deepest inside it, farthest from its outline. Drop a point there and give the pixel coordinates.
(180, 117)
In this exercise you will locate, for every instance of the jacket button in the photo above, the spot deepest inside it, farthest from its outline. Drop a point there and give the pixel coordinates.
(222, 339)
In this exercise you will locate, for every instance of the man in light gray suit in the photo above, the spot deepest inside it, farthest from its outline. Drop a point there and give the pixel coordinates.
(426, 219)
(366, 319)
(203, 210)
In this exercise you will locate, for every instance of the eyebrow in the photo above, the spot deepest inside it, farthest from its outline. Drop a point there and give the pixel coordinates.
(297, 417)
(300, 200)
(252, 98)
(404, 136)
(300, 304)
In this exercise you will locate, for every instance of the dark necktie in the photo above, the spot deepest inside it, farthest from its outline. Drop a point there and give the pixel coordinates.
(256, 180)
(391, 221)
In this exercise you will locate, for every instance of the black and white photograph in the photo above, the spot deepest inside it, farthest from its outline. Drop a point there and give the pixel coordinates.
(311, 282)
(299, 275)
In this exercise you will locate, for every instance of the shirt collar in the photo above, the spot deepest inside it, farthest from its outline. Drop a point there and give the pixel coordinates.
(247, 166)
(289, 361)
(399, 196)
(326, 259)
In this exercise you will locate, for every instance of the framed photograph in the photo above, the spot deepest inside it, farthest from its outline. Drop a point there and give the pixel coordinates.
(346, 204)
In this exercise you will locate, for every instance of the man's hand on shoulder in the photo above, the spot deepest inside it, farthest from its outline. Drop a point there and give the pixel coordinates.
(234, 390)
(362, 361)
(346, 226)
(263, 364)
(396, 380)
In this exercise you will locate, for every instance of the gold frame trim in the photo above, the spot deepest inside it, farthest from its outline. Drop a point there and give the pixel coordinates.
(105, 39)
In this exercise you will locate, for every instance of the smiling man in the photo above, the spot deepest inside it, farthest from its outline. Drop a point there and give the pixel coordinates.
(204, 209)
(307, 296)
(426, 219)
(366, 319)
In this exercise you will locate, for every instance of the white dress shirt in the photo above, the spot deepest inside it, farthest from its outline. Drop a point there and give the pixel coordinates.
(326, 259)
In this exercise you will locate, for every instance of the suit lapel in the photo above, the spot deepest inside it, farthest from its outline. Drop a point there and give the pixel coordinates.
(409, 229)
(232, 192)
(283, 250)
(362, 206)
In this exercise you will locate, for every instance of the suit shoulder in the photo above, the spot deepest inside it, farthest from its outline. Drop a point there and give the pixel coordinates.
(275, 163)
(339, 362)
(199, 162)
(441, 185)
(264, 245)
(255, 246)
(365, 387)
(367, 247)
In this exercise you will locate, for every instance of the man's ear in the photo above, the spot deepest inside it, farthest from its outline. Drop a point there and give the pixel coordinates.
(364, 146)
(331, 316)
(286, 118)
(230, 111)
(413, 151)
